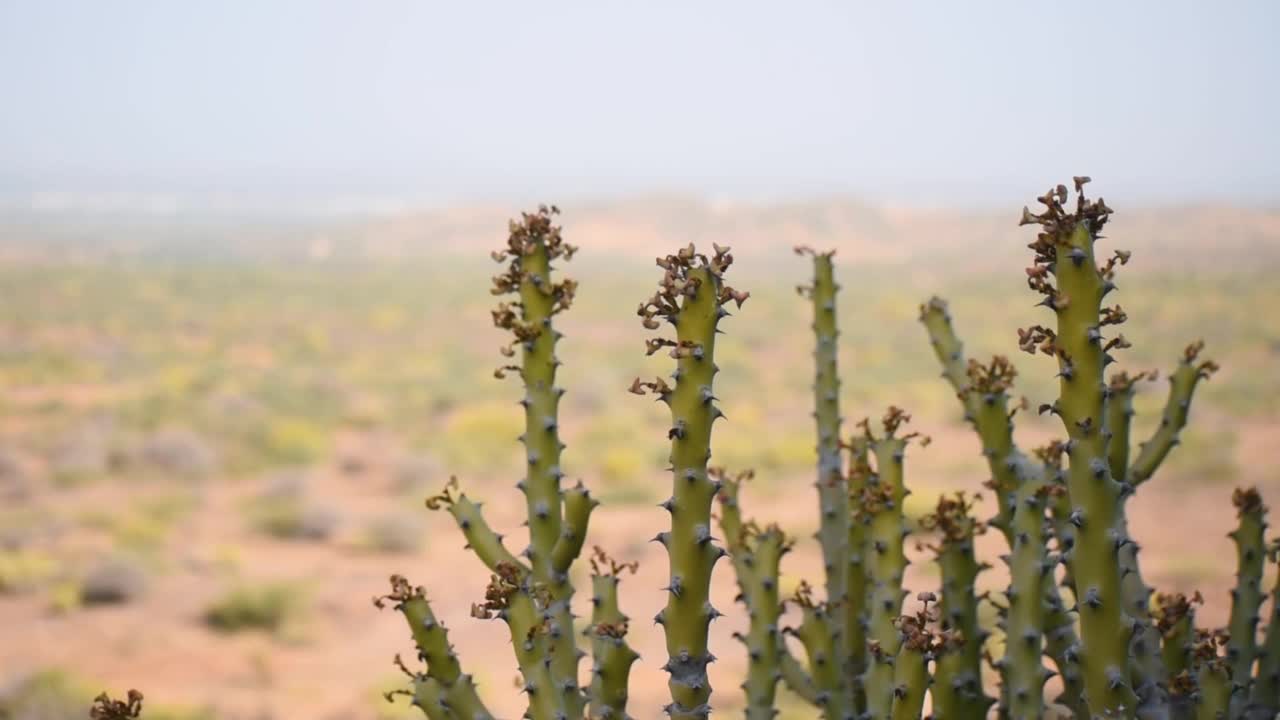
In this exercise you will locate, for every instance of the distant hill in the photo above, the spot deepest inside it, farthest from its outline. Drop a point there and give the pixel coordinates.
(1170, 238)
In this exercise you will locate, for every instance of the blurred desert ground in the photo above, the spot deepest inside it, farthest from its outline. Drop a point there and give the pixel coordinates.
(216, 432)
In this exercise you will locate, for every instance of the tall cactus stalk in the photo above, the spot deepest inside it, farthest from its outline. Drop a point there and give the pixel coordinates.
(555, 540)
(1174, 616)
(910, 668)
(1207, 686)
(833, 495)
(691, 297)
(756, 556)
(987, 409)
(822, 648)
(611, 656)
(957, 689)
(884, 557)
(1246, 597)
(1064, 253)
(1266, 689)
(855, 615)
(1021, 668)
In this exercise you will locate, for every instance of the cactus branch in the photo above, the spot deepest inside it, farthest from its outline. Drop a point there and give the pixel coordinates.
(886, 562)
(456, 689)
(557, 521)
(481, 539)
(957, 690)
(1182, 384)
(983, 391)
(833, 495)
(1064, 252)
(611, 656)
(1246, 597)
(691, 297)
(756, 557)
(1266, 688)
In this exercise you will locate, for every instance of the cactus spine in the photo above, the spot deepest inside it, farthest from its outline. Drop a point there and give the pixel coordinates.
(1064, 251)
(833, 495)
(691, 297)
(1246, 597)
(885, 561)
(957, 688)
(611, 656)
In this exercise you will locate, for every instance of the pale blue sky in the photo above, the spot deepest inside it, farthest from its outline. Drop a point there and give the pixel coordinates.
(931, 102)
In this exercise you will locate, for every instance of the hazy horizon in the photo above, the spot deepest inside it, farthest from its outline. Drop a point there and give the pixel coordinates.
(394, 104)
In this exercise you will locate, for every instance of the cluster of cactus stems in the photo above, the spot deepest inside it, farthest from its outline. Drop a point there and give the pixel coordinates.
(1076, 594)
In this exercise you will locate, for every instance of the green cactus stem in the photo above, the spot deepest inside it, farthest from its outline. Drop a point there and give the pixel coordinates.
(1174, 616)
(1182, 385)
(855, 615)
(1029, 564)
(481, 539)
(957, 688)
(1150, 676)
(822, 647)
(691, 297)
(611, 656)
(983, 391)
(1246, 597)
(1064, 252)
(885, 561)
(513, 598)
(533, 244)
(833, 495)
(451, 687)
(1266, 688)
(756, 556)
(1209, 683)
(798, 679)
(428, 696)
(910, 668)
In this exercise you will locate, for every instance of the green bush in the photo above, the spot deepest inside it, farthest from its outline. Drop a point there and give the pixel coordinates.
(271, 607)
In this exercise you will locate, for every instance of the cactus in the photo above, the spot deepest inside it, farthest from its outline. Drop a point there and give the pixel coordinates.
(756, 556)
(557, 524)
(1064, 253)
(691, 297)
(885, 561)
(611, 656)
(833, 495)
(983, 391)
(864, 658)
(1246, 597)
(1266, 688)
(957, 690)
